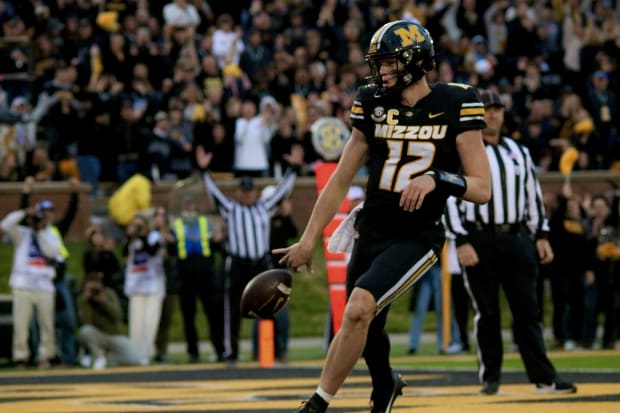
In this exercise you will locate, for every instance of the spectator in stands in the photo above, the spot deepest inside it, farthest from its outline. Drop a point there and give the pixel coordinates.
(215, 138)
(40, 166)
(159, 149)
(181, 145)
(495, 27)
(73, 55)
(470, 18)
(522, 38)
(31, 281)
(130, 140)
(255, 57)
(253, 132)
(478, 58)
(280, 145)
(115, 58)
(227, 42)
(145, 98)
(14, 55)
(180, 13)
(95, 150)
(9, 168)
(63, 126)
(144, 284)
(183, 119)
(101, 331)
(602, 102)
(209, 78)
(19, 127)
(574, 21)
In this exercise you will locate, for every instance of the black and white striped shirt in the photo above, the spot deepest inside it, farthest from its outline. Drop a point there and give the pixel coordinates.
(249, 226)
(516, 194)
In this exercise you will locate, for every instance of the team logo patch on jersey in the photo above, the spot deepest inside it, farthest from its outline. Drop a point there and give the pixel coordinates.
(378, 114)
(329, 136)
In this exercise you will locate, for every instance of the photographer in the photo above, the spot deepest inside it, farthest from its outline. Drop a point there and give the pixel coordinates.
(32, 274)
(65, 317)
(101, 315)
(145, 284)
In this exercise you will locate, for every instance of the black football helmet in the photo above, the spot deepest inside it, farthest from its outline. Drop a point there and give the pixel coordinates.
(410, 43)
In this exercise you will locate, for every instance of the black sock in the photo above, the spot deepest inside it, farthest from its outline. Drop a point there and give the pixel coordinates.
(319, 402)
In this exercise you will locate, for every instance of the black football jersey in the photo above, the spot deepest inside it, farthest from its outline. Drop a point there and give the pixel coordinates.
(405, 142)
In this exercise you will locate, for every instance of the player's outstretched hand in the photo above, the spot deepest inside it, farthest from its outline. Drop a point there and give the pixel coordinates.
(295, 257)
(413, 194)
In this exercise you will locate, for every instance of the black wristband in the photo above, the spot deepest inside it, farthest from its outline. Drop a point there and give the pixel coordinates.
(450, 183)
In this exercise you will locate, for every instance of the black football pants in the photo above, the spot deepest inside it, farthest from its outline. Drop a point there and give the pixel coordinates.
(508, 260)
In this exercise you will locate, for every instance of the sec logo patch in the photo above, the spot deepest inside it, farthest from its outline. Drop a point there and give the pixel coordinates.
(329, 135)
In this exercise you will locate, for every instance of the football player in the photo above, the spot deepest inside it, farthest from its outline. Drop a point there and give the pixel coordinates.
(421, 144)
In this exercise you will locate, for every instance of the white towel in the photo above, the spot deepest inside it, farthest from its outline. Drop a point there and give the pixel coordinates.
(342, 238)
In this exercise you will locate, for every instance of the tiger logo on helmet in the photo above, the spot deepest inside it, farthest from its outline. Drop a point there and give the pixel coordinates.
(410, 44)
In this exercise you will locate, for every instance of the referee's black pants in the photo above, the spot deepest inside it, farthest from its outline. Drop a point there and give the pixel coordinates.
(509, 260)
(240, 272)
(197, 279)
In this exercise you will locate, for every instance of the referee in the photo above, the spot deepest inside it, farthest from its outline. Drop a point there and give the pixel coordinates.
(248, 221)
(501, 243)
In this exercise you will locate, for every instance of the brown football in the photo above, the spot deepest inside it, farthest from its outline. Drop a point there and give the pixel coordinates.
(266, 294)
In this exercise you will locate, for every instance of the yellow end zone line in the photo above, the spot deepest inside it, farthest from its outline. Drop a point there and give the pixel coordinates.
(251, 395)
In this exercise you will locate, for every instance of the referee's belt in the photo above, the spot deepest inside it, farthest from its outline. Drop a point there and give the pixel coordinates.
(496, 228)
(252, 261)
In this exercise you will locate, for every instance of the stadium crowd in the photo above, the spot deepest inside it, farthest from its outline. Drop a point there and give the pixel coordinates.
(105, 89)
(109, 87)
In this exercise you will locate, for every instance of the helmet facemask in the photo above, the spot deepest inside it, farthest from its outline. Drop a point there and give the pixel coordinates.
(407, 71)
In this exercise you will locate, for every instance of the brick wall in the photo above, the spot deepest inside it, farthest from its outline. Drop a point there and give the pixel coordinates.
(303, 196)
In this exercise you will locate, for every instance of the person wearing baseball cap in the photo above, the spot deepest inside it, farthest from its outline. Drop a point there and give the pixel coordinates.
(490, 98)
(502, 243)
(248, 245)
(33, 269)
(195, 237)
(65, 316)
(44, 206)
